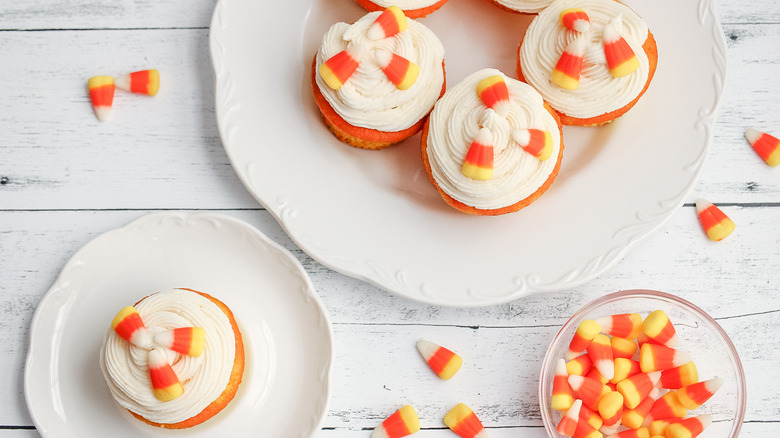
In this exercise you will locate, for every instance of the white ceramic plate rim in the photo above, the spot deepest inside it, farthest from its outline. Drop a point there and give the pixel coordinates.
(247, 56)
(42, 358)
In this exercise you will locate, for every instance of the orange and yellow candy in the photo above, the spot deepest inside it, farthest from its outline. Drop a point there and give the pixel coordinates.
(494, 94)
(634, 418)
(403, 422)
(624, 368)
(688, 427)
(129, 326)
(668, 406)
(575, 19)
(399, 70)
(655, 357)
(611, 408)
(588, 390)
(142, 82)
(569, 66)
(622, 347)
(478, 164)
(580, 365)
(586, 331)
(189, 341)
(562, 395)
(766, 146)
(658, 329)
(693, 396)
(626, 325)
(165, 384)
(464, 422)
(621, 59)
(642, 432)
(536, 142)
(101, 93)
(676, 378)
(634, 389)
(442, 361)
(568, 424)
(600, 352)
(339, 68)
(389, 23)
(715, 223)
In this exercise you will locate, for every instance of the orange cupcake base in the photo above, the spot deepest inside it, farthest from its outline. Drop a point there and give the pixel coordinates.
(498, 211)
(227, 395)
(364, 138)
(650, 48)
(411, 13)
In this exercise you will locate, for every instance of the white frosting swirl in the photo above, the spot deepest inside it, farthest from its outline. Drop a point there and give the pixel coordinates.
(368, 99)
(454, 123)
(204, 377)
(598, 92)
(528, 6)
(406, 5)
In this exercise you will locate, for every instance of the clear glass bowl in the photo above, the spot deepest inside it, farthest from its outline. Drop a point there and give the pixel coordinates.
(700, 336)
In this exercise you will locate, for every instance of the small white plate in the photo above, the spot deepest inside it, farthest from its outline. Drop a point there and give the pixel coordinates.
(375, 216)
(286, 330)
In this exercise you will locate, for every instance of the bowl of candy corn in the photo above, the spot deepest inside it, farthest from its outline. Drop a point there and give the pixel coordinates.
(642, 364)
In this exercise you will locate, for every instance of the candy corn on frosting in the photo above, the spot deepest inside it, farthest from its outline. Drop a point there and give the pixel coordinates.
(490, 145)
(590, 74)
(376, 80)
(412, 8)
(174, 359)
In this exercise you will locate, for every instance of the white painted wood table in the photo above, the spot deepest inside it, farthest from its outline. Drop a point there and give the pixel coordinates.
(66, 178)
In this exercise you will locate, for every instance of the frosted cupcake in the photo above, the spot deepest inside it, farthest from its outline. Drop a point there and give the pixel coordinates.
(491, 145)
(376, 80)
(175, 359)
(412, 8)
(592, 60)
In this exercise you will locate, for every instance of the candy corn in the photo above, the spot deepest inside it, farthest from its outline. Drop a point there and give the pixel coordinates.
(580, 365)
(659, 330)
(534, 141)
(668, 406)
(689, 427)
(142, 82)
(586, 389)
(624, 368)
(575, 19)
(766, 146)
(185, 340)
(658, 427)
(642, 432)
(442, 361)
(101, 92)
(165, 384)
(596, 375)
(591, 417)
(586, 331)
(676, 378)
(402, 423)
(462, 420)
(715, 223)
(340, 67)
(634, 418)
(586, 430)
(569, 66)
(654, 357)
(621, 59)
(478, 164)
(389, 23)
(693, 396)
(562, 395)
(622, 347)
(611, 408)
(129, 326)
(399, 70)
(627, 325)
(600, 352)
(494, 94)
(568, 424)
(634, 389)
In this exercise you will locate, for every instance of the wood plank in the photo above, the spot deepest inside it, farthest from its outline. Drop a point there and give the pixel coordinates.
(49, 160)
(741, 298)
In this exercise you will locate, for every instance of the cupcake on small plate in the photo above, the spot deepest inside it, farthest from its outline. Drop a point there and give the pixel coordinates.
(491, 145)
(376, 80)
(412, 8)
(523, 6)
(174, 359)
(592, 60)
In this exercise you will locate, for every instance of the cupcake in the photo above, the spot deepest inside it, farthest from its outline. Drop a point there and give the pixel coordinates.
(376, 80)
(175, 359)
(411, 8)
(491, 144)
(592, 60)
(523, 6)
